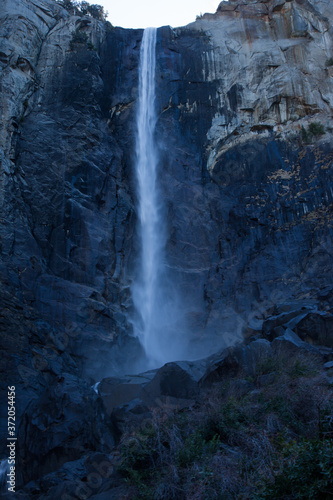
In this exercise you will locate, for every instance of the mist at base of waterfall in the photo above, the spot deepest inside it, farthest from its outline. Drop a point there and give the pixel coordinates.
(165, 337)
(176, 335)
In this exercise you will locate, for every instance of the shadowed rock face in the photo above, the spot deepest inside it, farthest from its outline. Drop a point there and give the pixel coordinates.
(247, 200)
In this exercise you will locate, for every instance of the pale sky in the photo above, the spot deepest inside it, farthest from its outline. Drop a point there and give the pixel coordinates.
(145, 13)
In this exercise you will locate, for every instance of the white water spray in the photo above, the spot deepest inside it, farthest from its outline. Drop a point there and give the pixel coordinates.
(153, 298)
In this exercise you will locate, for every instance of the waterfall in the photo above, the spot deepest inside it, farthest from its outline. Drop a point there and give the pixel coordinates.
(158, 321)
(145, 289)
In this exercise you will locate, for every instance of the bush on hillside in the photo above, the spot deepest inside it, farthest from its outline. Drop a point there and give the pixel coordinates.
(315, 129)
(84, 9)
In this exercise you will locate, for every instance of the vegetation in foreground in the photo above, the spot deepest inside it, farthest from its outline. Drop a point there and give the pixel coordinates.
(265, 437)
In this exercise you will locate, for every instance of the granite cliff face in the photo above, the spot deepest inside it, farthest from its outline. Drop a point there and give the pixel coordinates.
(248, 196)
(258, 228)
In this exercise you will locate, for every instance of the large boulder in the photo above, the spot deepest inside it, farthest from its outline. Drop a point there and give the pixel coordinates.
(225, 363)
(178, 380)
(290, 343)
(233, 360)
(175, 383)
(316, 328)
(116, 392)
(285, 318)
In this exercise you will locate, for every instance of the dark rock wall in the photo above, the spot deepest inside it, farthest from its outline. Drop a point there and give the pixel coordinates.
(76, 185)
(67, 208)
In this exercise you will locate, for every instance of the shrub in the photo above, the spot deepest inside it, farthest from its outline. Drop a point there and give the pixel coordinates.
(192, 449)
(91, 46)
(316, 128)
(307, 472)
(97, 12)
(80, 38)
(329, 62)
(267, 366)
(302, 368)
(84, 8)
(139, 455)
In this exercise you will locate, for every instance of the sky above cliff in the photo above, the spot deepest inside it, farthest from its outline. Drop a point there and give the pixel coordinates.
(135, 14)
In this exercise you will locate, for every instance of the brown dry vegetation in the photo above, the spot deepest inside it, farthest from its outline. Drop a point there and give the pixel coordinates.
(265, 437)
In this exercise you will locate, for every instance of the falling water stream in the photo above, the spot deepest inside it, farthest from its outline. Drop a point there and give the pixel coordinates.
(159, 320)
(145, 289)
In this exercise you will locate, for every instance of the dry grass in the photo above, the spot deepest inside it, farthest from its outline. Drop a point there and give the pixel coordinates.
(238, 439)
